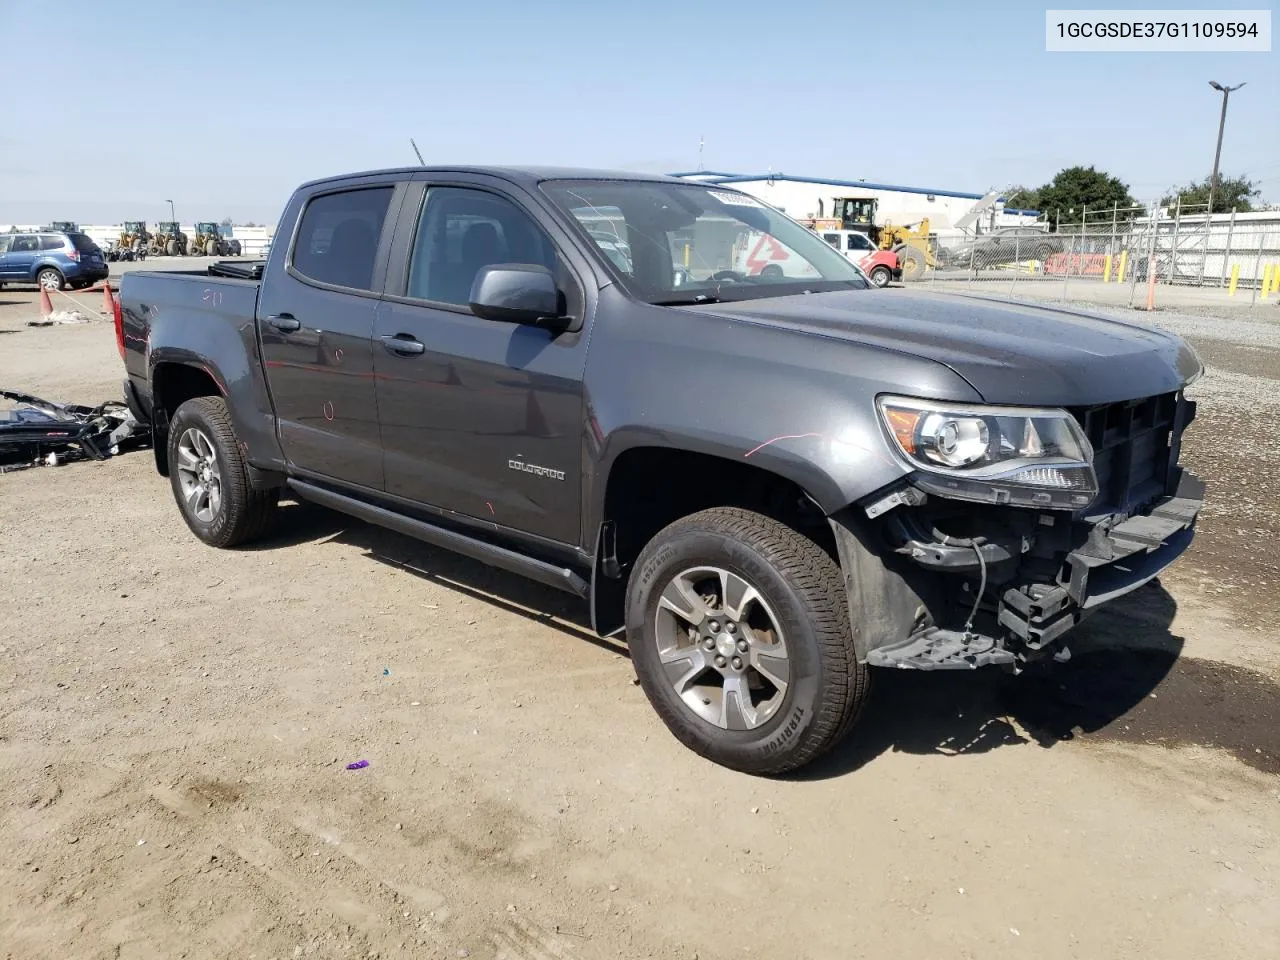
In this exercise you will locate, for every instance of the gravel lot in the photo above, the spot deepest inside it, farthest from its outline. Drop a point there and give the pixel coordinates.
(175, 724)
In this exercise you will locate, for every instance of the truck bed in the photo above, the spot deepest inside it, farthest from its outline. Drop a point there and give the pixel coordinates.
(212, 311)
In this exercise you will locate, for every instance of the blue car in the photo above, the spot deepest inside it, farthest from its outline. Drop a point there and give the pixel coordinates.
(52, 259)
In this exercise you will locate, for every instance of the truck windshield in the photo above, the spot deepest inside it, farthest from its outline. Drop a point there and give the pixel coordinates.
(689, 243)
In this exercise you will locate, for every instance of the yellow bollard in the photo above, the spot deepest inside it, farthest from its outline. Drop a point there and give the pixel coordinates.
(1235, 278)
(1106, 269)
(686, 255)
(1124, 258)
(1266, 281)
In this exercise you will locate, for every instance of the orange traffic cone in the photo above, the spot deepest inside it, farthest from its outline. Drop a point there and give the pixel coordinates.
(46, 305)
(106, 298)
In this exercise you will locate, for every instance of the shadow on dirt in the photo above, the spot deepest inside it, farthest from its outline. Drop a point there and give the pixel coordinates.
(1126, 682)
(305, 523)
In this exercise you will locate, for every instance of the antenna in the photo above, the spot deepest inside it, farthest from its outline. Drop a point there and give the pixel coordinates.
(699, 153)
(421, 162)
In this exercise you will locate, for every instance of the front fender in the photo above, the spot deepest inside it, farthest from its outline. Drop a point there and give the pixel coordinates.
(794, 404)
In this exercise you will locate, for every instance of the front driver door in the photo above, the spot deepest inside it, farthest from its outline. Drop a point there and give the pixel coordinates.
(480, 418)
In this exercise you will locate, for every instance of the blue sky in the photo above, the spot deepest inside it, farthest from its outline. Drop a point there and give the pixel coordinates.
(261, 96)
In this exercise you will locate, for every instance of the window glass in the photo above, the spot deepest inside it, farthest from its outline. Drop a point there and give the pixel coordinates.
(462, 230)
(4, 243)
(83, 243)
(338, 238)
(52, 243)
(682, 243)
(25, 244)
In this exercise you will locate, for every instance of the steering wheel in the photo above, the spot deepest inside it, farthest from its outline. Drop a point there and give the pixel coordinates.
(732, 275)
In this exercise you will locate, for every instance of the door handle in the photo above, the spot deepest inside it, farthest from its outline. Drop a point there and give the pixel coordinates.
(403, 344)
(285, 323)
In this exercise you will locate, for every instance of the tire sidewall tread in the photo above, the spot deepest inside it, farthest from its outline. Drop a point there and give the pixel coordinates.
(246, 513)
(804, 589)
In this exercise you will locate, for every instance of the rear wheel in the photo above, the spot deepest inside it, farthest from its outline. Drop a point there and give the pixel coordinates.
(50, 279)
(880, 276)
(739, 632)
(210, 477)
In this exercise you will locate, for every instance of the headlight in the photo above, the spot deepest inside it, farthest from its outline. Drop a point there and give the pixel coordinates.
(1025, 455)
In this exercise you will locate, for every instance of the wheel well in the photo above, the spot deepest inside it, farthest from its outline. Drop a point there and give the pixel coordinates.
(41, 268)
(649, 487)
(172, 385)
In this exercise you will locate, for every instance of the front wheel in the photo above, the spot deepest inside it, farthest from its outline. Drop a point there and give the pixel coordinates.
(880, 276)
(912, 264)
(739, 632)
(210, 477)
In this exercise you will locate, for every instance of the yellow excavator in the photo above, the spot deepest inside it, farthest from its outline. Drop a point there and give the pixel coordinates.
(915, 248)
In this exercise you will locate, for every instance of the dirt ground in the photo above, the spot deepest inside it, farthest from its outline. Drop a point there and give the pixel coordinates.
(176, 721)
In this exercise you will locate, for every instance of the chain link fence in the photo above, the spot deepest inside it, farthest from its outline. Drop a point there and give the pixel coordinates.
(1120, 255)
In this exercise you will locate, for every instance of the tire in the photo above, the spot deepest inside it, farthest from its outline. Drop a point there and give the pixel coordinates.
(50, 278)
(171, 248)
(232, 512)
(800, 603)
(912, 264)
(880, 276)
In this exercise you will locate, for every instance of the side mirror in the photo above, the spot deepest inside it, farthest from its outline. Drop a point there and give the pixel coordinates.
(515, 293)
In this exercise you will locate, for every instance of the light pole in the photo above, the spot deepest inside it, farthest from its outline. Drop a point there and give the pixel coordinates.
(174, 216)
(1222, 122)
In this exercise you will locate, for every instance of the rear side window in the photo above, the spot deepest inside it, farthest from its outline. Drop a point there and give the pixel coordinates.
(83, 243)
(338, 238)
(52, 243)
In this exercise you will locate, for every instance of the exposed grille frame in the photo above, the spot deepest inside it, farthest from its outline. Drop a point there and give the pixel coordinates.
(1136, 445)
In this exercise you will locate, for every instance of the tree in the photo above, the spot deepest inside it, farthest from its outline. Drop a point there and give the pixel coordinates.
(1022, 198)
(227, 222)
(1236, 193)
(1065, 198)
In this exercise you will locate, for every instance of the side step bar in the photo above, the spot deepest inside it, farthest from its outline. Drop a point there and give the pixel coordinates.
(560, 577)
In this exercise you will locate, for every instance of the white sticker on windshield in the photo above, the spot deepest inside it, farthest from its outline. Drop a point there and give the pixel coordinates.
(735, 199)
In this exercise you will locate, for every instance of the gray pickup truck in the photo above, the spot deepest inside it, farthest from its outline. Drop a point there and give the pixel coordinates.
(772, 482)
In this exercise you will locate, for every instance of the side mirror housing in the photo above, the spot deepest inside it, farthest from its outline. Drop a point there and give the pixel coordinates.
(515, 293)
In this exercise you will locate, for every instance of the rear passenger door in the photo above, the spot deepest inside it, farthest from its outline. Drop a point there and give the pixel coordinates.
(316, 314)
(5, 240)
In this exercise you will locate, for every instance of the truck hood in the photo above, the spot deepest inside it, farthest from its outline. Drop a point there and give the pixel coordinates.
(1011, 352)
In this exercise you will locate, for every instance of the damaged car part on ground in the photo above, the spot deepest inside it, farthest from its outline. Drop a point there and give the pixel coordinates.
(771, 483)
(38, 431)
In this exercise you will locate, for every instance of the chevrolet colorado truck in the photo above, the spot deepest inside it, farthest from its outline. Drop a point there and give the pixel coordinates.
(772, 484)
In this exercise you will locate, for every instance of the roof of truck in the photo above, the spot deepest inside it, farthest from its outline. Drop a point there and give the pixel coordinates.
(520, 174)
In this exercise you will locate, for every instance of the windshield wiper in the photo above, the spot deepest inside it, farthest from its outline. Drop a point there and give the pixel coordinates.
(687, 301)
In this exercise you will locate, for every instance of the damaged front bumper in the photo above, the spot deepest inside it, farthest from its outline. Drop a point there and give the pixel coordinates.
(928, 600)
